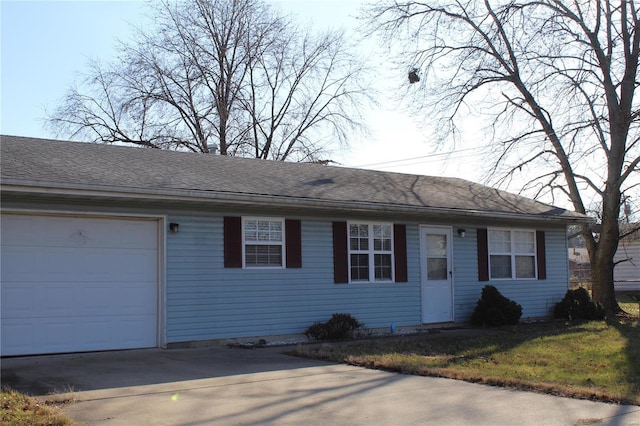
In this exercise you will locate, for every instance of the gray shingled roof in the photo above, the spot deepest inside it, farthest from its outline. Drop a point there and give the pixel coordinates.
(41, 164)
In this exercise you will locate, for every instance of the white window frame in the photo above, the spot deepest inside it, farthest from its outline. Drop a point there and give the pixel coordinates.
(281, 243)
(371, 252)
(513, 253)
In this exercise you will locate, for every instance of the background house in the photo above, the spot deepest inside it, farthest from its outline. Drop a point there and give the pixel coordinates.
(627, 258)
(109, 247)
(579, 264)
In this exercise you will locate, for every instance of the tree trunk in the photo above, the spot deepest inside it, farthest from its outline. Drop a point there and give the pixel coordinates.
(603, 289)
(602, 263)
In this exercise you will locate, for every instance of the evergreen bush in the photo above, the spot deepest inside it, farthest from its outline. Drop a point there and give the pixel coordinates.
(577, 304)
(493, 309)
(340, 326)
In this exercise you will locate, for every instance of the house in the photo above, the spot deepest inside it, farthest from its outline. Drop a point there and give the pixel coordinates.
(109, 247)
(626, 275)
(579, 265)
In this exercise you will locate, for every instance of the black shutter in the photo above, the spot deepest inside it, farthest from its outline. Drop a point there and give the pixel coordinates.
(232, 242)
(340, 253)
(400, 252)
(294, 243)
(483, 255)
(541, 255)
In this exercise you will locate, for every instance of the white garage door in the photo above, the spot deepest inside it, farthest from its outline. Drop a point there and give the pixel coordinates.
(73, 284)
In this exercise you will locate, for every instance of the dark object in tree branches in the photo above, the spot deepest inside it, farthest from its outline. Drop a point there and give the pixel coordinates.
(413, 76)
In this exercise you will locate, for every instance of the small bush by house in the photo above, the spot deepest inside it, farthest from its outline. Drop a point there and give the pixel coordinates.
(493, 309)
(340, 326)
(577, 304)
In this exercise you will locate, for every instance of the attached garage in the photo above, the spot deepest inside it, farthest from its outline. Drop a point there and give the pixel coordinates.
(78, 283)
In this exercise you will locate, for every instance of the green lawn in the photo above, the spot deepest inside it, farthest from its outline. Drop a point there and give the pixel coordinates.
(594, 360)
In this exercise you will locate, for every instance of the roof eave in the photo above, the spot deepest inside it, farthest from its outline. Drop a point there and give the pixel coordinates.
(181, 195)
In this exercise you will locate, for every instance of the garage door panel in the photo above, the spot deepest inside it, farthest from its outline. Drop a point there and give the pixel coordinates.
(13, 230)
(17, 336)
(17, 301)
(133, 265)
(136, 237)
(82, 284)
(135, 300)
(98, 300)
(31, 263)
(58, 334)
(52, 231)
(134, 326)
(98, 333)
(51, 300)
(59, 301)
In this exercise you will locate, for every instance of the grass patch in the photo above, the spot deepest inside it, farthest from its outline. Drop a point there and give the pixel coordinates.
(593, 360)
(630, 307)
(19, 409)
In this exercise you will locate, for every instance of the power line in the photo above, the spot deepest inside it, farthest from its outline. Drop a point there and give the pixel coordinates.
(388, 163)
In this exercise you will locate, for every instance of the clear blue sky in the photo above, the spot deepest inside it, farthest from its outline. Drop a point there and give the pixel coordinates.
(45, 44)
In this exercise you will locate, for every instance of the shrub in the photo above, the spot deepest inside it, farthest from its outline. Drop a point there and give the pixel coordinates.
(340, 326)
(577, 304)
(493, 309)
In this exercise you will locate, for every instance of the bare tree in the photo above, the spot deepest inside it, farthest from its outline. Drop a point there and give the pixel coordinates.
(290, 116)
(225, 72)
(556, 79)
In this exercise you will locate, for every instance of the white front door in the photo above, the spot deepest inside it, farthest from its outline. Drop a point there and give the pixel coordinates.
(435, 262)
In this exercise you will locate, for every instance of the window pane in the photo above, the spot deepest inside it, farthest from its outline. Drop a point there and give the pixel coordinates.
(525, 267)
(500, 241)
(356, 230)
(381, 231)
(275, 231)
(358, 237)
(382, 266)
(267, 255)
(250, 230)
(436, 245)
(359, 267)
(359, 244)
(500, 266)
(381, 237)
(263, 230)
(382, 244)
(524, 241)
(436, 269)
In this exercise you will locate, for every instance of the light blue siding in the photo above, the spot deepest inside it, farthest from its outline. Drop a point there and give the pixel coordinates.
(204, 300)
(537, 297)
(207, 301)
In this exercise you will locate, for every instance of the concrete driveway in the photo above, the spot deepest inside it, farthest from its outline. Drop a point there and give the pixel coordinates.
(221, 385)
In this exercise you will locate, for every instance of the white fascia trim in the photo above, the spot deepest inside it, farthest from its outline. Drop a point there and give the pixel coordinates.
(268, 200)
